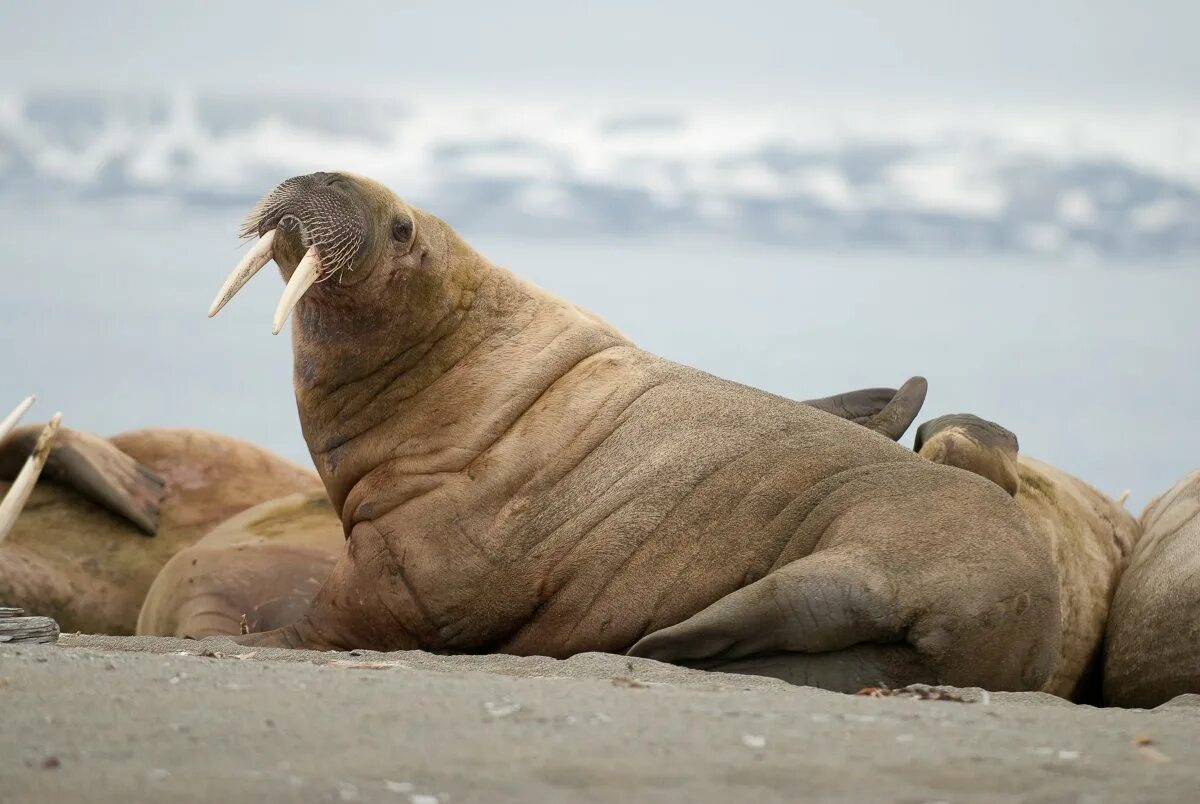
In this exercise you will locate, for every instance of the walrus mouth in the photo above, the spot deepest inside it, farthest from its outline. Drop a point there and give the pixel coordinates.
(18, 493)
(332, 229)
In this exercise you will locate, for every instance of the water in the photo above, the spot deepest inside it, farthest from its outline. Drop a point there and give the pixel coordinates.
(1096, 368)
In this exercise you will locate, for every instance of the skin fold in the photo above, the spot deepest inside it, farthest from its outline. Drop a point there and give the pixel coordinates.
(514, 475)
(78, 555)
(1091, 536)
(1152, 647)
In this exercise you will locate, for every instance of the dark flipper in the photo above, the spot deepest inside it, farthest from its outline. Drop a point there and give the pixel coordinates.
(813, 622)
(974, 444)
(96, 469)
(885, 410)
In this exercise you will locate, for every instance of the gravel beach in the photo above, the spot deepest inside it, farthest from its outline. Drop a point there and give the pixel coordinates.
(107, 719)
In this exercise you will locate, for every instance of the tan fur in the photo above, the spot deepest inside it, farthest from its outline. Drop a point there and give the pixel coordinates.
(258, 570)
(72, 560)
(516, 476)
(1090, 535)
(1152, 650)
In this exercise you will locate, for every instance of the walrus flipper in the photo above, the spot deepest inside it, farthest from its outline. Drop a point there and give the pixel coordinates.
(95, 468)
(885, 410)
(812, 622)
(974, 444)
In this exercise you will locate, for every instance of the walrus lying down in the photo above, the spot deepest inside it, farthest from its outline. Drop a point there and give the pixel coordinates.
(1091, 536)
(516, 476)
(261, 569)
(254, 572)
(79, 552)
(1152, 646)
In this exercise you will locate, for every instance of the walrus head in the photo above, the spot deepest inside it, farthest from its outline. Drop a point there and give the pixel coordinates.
(364, 247)
(974, 444)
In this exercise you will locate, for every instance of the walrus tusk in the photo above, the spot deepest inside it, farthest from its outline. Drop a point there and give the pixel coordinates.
(258, 256)
(22, 487)
(302, 279)
(10, 421)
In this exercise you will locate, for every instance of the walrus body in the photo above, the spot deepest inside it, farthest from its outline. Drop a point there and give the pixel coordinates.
(1091, 536)
(80, 552)
(260, 570)
(254, 572)
(1152, 646)
(515, 476)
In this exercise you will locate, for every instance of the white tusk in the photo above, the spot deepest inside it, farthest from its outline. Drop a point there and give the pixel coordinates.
(22, 487)
(258, 256)
(305, 275)
(10, 421)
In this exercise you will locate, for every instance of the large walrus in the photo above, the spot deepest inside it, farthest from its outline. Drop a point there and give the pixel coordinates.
(1152, 646)
(260, 570)
(1091, 536)
(81, 551)
(515, 476)
(254, 572)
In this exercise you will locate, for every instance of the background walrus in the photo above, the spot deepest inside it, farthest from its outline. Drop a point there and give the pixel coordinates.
(1152, 646)
(79, 551)
(1091, 535)
(256, 571)
(514, 475)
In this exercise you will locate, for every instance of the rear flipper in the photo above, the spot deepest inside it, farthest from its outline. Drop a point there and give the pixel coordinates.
(977, 445)
(884, 410)
(847, 670)
(827, 620)
(93, 467)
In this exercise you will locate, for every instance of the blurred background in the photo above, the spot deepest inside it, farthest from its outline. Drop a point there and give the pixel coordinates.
(1003, 196)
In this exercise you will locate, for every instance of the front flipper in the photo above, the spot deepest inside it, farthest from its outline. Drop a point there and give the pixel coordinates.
(95, 468)
(886, 411)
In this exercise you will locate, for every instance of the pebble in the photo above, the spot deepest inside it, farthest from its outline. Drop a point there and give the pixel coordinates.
(502, 709)
(754, 740)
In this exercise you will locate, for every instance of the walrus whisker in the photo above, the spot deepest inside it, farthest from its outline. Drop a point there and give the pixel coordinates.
(258, 256)
(305, 275)
(10, 421)
(22, 487)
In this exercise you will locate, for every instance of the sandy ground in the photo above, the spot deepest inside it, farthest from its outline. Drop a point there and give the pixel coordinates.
(105, 719)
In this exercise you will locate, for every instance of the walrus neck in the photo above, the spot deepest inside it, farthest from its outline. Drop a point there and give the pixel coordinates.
(486, 355)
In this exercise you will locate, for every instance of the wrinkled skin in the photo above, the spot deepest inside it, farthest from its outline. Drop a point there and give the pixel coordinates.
(1091, 536)
(1152, 646)
(515, 476)
(260, 570)
(72, 558)
(256, 571)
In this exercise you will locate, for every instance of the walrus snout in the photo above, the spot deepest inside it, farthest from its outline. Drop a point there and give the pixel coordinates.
(313, 226)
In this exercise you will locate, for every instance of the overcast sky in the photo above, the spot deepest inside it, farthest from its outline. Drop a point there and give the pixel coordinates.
(1093, 53)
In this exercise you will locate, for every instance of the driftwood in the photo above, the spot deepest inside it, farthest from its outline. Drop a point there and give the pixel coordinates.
(15, 628)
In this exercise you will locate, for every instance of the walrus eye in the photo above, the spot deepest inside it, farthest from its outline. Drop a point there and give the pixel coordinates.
(402, 229)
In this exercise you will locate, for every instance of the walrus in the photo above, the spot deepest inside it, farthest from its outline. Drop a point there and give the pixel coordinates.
(109, 513)
(259, 570)
(1152, 644)
(514, 475)
(1091, 536)
(255, 572)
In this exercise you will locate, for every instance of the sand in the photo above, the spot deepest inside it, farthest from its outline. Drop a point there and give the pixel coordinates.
(107, 719)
